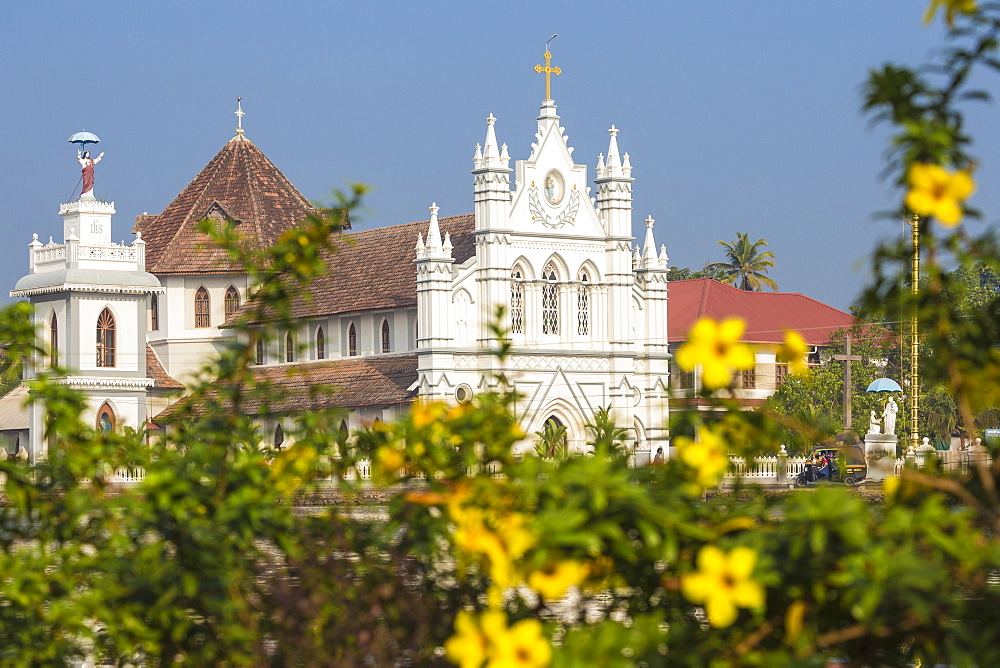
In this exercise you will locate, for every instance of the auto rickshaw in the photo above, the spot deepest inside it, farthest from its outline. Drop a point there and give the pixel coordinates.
(848, 465)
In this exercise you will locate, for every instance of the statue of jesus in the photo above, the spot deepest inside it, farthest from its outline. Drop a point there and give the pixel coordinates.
(87, 163)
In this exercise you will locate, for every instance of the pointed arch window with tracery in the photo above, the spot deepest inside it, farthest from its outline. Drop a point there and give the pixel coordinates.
(232, 301)
(517, 302)
(106, 339)
(106, 418)
(352, 341)
(289, 347)
(320, 344)
(550, 301)
(386, 341)
(202, 308)
(259, 352)
(583, 305)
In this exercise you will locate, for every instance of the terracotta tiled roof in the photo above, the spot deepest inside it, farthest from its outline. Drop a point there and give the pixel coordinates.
(382, 380)
(162, 380)
(767, 314)
(239, 182)
(374, 269)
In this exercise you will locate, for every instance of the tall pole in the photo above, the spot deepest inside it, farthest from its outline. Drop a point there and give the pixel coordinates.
(914, 221)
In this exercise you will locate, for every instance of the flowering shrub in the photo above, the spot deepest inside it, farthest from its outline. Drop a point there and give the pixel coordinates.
(570, 562)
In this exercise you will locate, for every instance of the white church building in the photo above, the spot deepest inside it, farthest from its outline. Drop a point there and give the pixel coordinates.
(403, 311)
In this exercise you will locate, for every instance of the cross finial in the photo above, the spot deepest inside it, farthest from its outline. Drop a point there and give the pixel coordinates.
(490, 120)
(548, 69)
(239, 115)
(649, 221)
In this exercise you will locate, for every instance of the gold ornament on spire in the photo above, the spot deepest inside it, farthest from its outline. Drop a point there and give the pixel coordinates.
(548, 69)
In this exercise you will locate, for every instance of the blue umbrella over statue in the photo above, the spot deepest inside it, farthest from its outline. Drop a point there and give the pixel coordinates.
(888, 386)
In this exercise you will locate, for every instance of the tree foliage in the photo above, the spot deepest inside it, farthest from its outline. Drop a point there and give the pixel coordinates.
(745, 266)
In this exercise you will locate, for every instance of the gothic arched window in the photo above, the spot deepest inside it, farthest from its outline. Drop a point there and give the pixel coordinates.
(54, 341)
(154, 312)
(105, 418)
(386, 347)
(259, 356)
(279, 437)
(550, 301)
(516, 302)
(202, 308)
(352, 341)
(320, 344)
(583, 306)
(106, 339)
(232, 301)
(289, 347)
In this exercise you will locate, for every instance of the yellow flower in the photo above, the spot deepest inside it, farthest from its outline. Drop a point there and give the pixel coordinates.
(556, 577)
(524, 646)
(716, 347)
(471, 644)
(934, 191)
(707, 456)
(486, 638)
(502, 538)
(794, 351)
(722, 584)
(951, 8)
(388, 461)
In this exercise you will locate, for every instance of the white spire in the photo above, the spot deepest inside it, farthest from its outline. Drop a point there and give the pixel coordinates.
(433, 232)
(477, 159)
(420, 245)
(663, 257)
(504, 156)
(600, 165)
(636, 258)
(626, 165)
(614, 161)
(447, 244)
(649, 247)
(491, 152)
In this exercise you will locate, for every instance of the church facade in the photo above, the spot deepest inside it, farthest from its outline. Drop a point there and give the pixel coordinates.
(403, 312)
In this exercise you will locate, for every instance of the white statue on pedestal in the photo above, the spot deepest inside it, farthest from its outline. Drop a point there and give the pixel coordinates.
(874, 426)
(889, 416)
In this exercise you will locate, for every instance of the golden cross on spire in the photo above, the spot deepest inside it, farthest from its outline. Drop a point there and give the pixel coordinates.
(239, 115)
(548, 69)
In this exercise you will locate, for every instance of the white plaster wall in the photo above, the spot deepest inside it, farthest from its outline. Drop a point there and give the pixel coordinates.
(126, 330)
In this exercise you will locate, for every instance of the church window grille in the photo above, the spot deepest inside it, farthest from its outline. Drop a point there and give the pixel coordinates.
(154, 313)
(260, 351)
(232, 301)
(289, 347)
(583, 307)
(106, 339)
(749, 379)
(320, 344)
(386, 347)
(352, 341)
(54, 341)
(202, 308)
(550, 302)
(517, 303)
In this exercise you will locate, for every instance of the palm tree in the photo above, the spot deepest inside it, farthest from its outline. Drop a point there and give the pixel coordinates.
(746, 267)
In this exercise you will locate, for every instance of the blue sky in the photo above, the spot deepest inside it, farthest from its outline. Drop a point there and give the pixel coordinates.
(738, 116)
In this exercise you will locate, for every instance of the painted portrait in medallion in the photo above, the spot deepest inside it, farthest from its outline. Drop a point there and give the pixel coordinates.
(555, 187)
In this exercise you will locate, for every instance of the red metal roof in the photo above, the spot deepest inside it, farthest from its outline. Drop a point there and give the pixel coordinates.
(767, 314)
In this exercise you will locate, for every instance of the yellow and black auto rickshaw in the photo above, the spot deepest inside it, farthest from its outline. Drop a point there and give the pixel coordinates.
(835, 463)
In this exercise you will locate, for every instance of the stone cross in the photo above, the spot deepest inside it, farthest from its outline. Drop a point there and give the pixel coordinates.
(847, 358)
